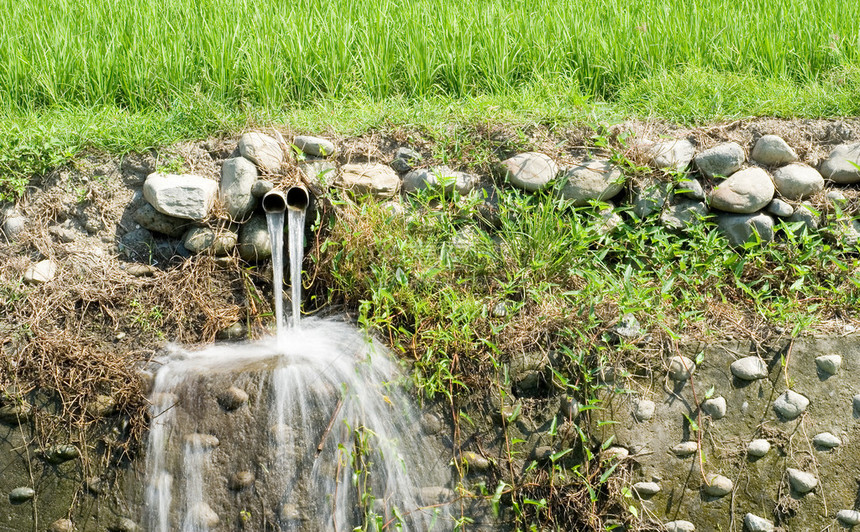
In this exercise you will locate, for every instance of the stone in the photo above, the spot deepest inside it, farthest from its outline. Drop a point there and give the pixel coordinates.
(235, 331)
(835, 196)
(754, 523)
(838, 166)
(500, 310)
(744, 192)
(189, 197)
(319, 172)
(14, 224)
(597, 180)
(439, 178)
(570, 408)
(57, 454)
(124, 524)
(261, 187)
(807, 214)
(238, 177)
(21, 495)
(262, 150)
(627, 327)
(149, 218)
(826, 440)
(683, 215)
(224, 242)
(609, 220)
(377, 180)
(797, 181)
(202, 441)
(680, 525)
(315, 146)
(722, 160)
(529, 171)
(742, 228)
(680, 368)
(101, 406)
(844, 231)
(829, 364)
(63, 234)
(716, 407)
(254, 244)
(62, 525)
(771, 150)
(241, 480)
(16, 412)
(40, 273)
(405, 159)
(758, 448)
(198, 239)
(801, 481)
(141, 270)
(137, 245)
(475, 461)
(643, 410)
(615, 453)
(856, 403)
(718, 485)
(848, 517)
(672, 155)
(487, 210)
(232, 398)
(203, 517)
(780, 208)
(685, 449)
(652, 197)
(749, 368)
(646, 489)
(790, 404)
(691, 188)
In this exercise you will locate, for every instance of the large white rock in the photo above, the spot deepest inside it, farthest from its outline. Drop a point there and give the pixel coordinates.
(378, 180)
(718, 485)
(754, 523)
(838, 166)
(680, 526)
(749, 368)
(801, 481)
(440, 178)
(593, 180)
(238, 176)
(680, 368)
(758, 448)
(797, 181)
(673, 155)
(790, 404)
(530, 171)
(189, 197)
(771, 150)
(315, 146)
(744, 192)
(722, 160)
(262, 150)
(741, 228)
(41, 272)
(848, 517)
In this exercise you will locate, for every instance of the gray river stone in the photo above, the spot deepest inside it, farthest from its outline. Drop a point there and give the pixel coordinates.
(319, 172)
(716, 407)
(261, 187)
(614, 453)
(262, 150)
(204, 441)
(241, 480)
(158, 222)
(856, 403)
(749, 368)
(60, 453)
(742, 228)
(232, 398)
(14, 224)
(801, 481)
(754, 523)
(475, 461)
(848, 517)
(771, 150)
(21, 495)
(826, 440)
(318, 147)
(41, 272)
(722, 160)
(680, 368)
(569, 408)
(691, 188)
(685, 449)
(439, 178)
(758, 448)
(644, 410)
(224, 242)
(680, 526)
(591, 181)
(62, 525)
(377, 180)
(652, 196)
(405, 159)
(683, 215)
(673, 155)
(188, 197)
(124, 524)
(254, 244)
(744, 192)
(797, 181)
(838, 166)
(780, 208)
(63, 234)
(238, 176)
(829, 364)
(198, 238)
(529, 171)
(807, 214)
(790, 404)
(718, 485)
(646, 489)
(203, 517)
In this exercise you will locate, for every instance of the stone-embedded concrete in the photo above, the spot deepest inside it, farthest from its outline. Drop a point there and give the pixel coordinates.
(764, 456)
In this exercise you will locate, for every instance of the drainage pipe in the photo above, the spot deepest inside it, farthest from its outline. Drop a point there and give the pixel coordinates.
(274, 201)
(297, 198)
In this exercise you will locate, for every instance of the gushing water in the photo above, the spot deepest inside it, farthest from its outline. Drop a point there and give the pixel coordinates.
(275, 223)
(305, 431)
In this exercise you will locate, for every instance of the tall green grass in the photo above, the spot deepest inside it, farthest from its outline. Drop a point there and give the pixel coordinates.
(139, 54)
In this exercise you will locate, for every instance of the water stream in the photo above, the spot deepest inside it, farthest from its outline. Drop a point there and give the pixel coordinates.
(308, 430)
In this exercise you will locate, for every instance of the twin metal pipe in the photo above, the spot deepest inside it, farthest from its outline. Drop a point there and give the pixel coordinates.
(296, 197)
